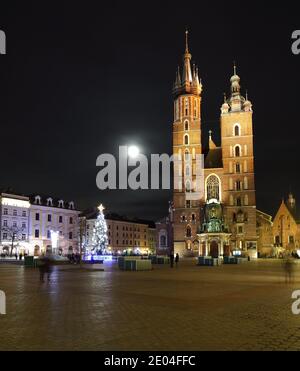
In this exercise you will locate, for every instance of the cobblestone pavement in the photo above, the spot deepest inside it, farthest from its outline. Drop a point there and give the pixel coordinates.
(245, 307)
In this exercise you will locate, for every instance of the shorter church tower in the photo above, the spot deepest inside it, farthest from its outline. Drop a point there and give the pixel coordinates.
(238, 165)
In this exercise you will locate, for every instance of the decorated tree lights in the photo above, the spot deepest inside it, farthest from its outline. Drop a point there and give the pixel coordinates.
(99, 238)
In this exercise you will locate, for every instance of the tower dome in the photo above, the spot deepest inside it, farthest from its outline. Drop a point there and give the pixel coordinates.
(247, 104)
(225, 106)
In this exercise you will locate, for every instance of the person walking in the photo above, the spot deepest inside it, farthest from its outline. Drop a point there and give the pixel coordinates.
(172, 260)
(41, 265)
(289, 269)
(177, 260)
(48, 266)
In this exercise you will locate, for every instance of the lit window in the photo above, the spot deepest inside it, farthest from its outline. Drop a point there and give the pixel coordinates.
(237, 131)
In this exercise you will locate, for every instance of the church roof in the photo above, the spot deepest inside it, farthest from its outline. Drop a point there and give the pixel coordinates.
(295, 212)
(213, 159)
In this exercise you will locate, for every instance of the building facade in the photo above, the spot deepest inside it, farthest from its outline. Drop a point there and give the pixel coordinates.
(219, 216)
(31, 225)
(14, 223)
(286, 226)
(124, 234)
(265, 243)
(53, 224)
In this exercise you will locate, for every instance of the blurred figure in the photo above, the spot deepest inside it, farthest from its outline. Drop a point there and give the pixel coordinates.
(45, 266)
(41, 265)
(289, 269)
(48, 265)
(172, 260)
(177, 260)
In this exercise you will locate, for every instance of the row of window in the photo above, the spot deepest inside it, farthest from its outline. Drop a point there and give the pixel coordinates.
(5, 236)
(239, 201)
(291, 240)
(187, 107)
(61, 203)
(237, 167)
(49, 218)
(236, 128)
(15, 212)
(14, 224)
(184, 218)
(129, 242)
(128, 235)
(238, 185)
(37, 216)
(37, 234)
(134, 229)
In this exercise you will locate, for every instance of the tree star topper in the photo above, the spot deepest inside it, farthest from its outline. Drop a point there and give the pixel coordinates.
(101, 208)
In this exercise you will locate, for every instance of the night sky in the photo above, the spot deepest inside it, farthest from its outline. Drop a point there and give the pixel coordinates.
(78, 81)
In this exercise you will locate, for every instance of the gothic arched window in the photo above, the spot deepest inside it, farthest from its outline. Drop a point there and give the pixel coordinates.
(213, 187)
(186, 126)
(237, 131)
(188, 231)
(237, 151)
(163, 241)
(186, 140)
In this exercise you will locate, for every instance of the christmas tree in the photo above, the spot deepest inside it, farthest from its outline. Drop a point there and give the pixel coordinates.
(99, 239)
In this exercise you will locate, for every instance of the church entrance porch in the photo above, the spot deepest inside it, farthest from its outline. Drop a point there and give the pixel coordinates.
(214, 244)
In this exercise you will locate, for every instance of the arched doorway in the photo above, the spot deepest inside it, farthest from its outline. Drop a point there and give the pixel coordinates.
(214, 249)
(203, 249)
(226, 250)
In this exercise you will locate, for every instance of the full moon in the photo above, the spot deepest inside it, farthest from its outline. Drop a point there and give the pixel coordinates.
(133, 151)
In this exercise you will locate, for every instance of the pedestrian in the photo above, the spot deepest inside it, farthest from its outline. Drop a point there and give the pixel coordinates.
(172, 260)
(20, 256)
(176, 259)
(16, 256)
(48, 266)
(289, 269)
(41, 265)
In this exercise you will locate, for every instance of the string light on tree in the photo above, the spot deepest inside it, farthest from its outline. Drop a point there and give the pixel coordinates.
(99, 239)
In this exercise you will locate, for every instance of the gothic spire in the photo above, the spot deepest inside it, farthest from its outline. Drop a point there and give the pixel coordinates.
(187, 72)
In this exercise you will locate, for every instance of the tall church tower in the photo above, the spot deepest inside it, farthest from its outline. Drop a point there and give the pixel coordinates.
(238, 165)
(186, 145)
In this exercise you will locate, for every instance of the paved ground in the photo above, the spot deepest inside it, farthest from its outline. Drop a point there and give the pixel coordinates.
(245, 307)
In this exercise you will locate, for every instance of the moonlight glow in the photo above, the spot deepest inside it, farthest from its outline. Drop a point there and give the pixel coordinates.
(133, 151)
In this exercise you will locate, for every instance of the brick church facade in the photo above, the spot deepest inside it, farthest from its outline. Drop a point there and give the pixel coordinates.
(218, 217)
